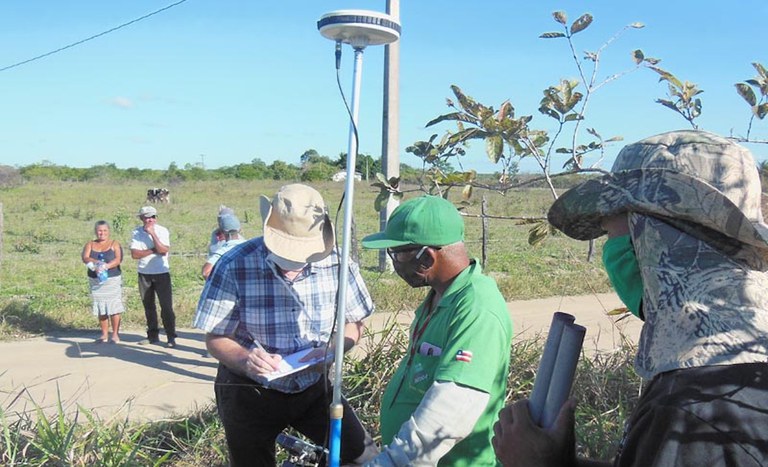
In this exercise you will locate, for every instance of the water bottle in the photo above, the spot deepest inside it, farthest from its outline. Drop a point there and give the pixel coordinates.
(101, 269)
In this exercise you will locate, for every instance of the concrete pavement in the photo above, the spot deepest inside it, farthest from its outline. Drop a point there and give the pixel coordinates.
(149, 382)
(153, 382)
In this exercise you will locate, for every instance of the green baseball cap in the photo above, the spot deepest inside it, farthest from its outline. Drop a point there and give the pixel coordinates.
(426, 220)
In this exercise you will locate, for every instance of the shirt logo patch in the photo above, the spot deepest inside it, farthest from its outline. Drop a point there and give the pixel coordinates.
(464, 356)
(419, 377)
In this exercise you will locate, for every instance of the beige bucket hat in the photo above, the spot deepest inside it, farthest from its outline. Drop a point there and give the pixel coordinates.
(296, 224)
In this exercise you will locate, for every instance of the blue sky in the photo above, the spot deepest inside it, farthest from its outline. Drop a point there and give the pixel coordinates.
(228, 81)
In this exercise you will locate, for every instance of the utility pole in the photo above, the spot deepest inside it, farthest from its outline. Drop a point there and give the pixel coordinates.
(390, 143)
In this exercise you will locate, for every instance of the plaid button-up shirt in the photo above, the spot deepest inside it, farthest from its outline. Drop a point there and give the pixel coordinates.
(247, 298)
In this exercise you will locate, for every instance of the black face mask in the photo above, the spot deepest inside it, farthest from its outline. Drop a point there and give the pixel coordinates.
(412, 271)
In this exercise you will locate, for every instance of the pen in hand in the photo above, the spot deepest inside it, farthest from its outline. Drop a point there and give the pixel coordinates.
(257, 343)
(265, 362)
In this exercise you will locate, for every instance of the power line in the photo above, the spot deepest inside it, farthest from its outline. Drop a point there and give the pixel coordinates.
(92, 37)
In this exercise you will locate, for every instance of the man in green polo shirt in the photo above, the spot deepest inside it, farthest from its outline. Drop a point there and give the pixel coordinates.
(441, 404)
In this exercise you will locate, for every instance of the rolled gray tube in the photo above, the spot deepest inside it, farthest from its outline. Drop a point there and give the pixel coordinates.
(562, 375)
(547, 365)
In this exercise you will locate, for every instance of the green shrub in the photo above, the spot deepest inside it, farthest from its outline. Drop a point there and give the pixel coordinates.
(318, 172)
(26, 245)
(121, 222)
(9, 176)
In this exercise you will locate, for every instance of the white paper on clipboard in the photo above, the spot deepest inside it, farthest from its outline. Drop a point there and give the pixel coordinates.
(290, 363)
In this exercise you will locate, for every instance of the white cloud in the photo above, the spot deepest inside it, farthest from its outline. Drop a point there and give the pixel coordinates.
(122, 102)
(155, 125)
(153, 98)
(139, 140)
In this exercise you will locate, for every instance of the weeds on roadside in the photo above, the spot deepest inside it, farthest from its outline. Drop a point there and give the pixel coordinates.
(12, 446)
(54, 440)
(606, 389)
(37, 439)
(190, 441)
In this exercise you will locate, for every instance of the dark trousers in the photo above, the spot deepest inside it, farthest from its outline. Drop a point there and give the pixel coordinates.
(160, 284)
(253, 416)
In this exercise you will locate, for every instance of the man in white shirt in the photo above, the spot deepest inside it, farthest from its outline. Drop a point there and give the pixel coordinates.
(150, 245)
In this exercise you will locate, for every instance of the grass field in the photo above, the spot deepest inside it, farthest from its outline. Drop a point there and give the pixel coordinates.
(43, 288)
(43, 284)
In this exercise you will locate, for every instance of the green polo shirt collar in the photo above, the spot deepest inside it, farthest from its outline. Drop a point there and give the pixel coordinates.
(459, 283)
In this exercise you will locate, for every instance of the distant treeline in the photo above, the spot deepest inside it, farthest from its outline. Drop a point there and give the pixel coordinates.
(311, 170)
(257, 169)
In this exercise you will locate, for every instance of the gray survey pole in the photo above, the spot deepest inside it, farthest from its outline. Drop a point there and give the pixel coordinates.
(358, 28)
(390, 141)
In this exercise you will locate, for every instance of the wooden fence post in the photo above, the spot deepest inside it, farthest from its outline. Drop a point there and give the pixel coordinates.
(483, 211)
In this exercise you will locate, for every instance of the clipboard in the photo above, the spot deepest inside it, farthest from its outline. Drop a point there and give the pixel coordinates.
(290, 364)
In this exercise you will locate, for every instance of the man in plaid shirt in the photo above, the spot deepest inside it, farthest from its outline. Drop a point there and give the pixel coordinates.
(273, 296)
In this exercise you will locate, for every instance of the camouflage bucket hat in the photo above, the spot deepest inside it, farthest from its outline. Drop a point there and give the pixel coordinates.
(701, 183)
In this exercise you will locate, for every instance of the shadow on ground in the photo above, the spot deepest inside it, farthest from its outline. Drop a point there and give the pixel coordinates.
(79, 344)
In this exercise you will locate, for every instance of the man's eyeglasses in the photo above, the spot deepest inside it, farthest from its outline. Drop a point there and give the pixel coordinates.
(402, 256)
(148, 217)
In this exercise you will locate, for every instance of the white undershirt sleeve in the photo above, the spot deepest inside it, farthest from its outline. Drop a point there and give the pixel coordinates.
(445, 416)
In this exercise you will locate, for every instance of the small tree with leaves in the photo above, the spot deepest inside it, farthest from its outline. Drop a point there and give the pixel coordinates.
(683, 99)
(510, 138)
(758, 101)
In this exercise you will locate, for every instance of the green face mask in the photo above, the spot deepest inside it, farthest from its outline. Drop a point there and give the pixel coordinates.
(624, 273)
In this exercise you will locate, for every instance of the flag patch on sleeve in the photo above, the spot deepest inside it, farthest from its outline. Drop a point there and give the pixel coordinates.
(464, 356)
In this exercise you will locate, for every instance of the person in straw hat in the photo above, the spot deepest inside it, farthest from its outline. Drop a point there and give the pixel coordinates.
(687, 252)
(273, 296)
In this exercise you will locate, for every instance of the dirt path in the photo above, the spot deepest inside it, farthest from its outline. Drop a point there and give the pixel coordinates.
(154, 382)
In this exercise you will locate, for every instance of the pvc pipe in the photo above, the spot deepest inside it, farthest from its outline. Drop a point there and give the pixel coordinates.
(562, 375)
(547, 365)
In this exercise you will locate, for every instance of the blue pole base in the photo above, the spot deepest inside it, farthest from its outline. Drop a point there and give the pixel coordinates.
(334, 451)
